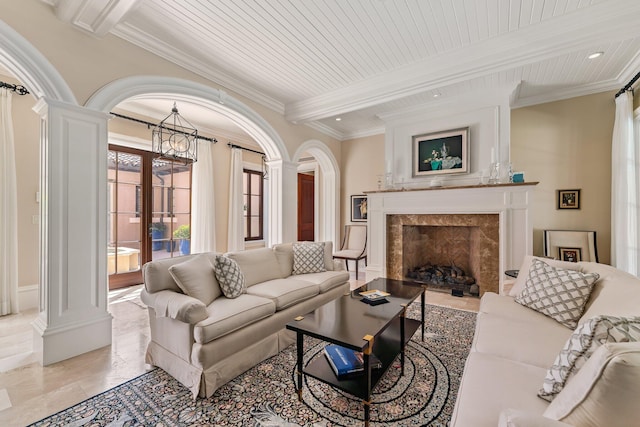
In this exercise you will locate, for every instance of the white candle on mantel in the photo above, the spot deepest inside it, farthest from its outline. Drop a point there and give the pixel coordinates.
(493, 155)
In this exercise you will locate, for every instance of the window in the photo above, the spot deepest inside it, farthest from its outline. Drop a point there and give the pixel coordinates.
(252, 197)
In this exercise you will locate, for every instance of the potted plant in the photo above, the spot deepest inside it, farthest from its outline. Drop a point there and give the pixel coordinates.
(184, 234)
(157, 234)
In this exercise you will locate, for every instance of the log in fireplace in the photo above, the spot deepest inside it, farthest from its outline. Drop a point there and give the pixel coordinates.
(444, 278)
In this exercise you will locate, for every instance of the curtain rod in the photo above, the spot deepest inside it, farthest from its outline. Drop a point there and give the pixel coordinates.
(230, 145)
(149, 124)
(19, 89)
(628, 85)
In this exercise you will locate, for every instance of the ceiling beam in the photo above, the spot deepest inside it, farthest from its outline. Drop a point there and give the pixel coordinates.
(97, 17)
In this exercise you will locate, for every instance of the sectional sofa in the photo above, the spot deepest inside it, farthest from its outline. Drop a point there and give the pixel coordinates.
(203, 338)
(518, 351)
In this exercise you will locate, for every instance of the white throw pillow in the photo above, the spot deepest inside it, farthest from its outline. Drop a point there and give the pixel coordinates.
(582, 344)
(196, 278)
(308, 257)
(605, 390)
(523, 274)
(229, 276)
(557, 292)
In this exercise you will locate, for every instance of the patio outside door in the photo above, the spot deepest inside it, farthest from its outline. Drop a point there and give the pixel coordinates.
(149, 212)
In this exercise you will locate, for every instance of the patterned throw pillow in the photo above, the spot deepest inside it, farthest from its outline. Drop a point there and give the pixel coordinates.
(229, 277)
(582, 344)
(308, 257)
(557, 292)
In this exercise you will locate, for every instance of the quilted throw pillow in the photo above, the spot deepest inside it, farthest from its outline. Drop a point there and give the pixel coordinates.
(582, 344)
(308, 257)
(557, 292)
(229, 277)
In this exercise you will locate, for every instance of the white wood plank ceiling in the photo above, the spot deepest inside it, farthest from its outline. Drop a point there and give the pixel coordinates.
(315, 60)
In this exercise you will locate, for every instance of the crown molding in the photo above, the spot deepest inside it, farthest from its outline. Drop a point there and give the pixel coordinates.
(364, 133)
(152, 44)
(559, 95)
(543, 41)
(630, 70)
(326, 130)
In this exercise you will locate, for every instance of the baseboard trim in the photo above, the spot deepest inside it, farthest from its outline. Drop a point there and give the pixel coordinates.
(28, 297)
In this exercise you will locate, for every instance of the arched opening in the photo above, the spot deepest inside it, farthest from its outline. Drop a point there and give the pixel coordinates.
(156, 87)
(328, 207)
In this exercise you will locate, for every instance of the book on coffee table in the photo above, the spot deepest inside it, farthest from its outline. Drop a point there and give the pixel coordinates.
(346, 362)
(374, 294)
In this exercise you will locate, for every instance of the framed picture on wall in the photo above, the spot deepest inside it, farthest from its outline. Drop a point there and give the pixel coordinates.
(359, 208)
(570, 254)
(438, 153)
(568, 199)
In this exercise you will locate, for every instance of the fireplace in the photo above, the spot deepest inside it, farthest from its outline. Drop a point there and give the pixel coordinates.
(464, 246)
(497, 218)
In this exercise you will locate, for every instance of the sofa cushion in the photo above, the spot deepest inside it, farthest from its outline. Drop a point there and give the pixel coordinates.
(156, 274)
(617, 293)
(326, 280)
(506, 306)
(582, 344)
(196, 277)
(284, 254)
(308, 257)
(228, 315)
(532, 342)
(557, 292)
(521, 280)
(257, 265)
(284, 292)
(230, 278)
(605, 390)
(490, 384)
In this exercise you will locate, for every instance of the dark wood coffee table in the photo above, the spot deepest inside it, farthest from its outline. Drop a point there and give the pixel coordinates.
(382, 329)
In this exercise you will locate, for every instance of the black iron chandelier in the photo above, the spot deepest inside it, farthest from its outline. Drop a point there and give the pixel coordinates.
(175, 138)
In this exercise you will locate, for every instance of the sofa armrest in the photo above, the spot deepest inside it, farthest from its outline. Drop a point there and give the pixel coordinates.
(515, 418)
(338, 265)
(175, 306)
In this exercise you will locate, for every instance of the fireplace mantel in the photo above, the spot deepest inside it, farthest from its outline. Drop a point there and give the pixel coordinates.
(512, 203)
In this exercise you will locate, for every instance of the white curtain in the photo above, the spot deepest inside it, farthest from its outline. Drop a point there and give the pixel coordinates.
(236, 203)
(203, 220)
(624, 189)
(8, 211)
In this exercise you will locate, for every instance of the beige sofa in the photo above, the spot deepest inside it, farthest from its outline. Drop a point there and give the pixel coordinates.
(205, 346)
(514, 346)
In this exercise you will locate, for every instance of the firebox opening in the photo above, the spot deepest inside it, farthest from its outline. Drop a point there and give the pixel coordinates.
(444, 258)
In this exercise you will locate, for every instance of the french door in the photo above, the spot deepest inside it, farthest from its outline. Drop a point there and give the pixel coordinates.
(149, 201)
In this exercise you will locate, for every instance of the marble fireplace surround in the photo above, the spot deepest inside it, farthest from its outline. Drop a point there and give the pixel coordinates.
(470, 241)
(509, 203)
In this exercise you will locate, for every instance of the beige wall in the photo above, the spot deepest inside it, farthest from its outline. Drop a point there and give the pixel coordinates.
(362, 162)
(26, 129)
(567, 145)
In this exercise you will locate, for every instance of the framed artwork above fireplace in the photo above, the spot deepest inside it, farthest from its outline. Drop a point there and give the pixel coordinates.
(438, 153)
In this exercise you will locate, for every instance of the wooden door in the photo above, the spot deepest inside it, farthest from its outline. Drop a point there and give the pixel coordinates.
(306, 208)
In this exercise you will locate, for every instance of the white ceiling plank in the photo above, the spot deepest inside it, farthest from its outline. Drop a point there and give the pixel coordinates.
(462, 22)
(514, 14)
(493, 16)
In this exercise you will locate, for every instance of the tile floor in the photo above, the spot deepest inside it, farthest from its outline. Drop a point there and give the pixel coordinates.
(30, 392)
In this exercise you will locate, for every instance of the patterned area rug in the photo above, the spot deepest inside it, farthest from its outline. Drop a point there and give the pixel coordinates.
(265, 395)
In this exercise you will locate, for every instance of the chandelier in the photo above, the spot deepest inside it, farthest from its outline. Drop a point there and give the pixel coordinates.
(175, 138)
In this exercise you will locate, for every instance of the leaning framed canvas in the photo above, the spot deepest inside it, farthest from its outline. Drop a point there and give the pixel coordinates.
(445, 152)
(359, 208)
(570, 254)
(568, 199)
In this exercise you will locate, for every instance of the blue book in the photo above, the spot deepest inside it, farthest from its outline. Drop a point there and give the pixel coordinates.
(346, 362)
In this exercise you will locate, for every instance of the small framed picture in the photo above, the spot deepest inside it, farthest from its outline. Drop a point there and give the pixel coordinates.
(568, 199)
(359, 208)
(570, 254)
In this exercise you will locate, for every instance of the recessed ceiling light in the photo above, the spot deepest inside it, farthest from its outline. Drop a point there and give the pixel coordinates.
(338, 119)
(595, 55)
(437, 95)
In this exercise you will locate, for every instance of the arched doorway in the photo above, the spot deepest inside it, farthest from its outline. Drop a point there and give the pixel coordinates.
(281, 202)
(329, 199)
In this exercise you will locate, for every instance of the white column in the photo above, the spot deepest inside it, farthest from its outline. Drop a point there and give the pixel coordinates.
(283, 199)
(73, 317)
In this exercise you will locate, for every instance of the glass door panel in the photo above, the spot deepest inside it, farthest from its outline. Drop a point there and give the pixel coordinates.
(125, 211)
